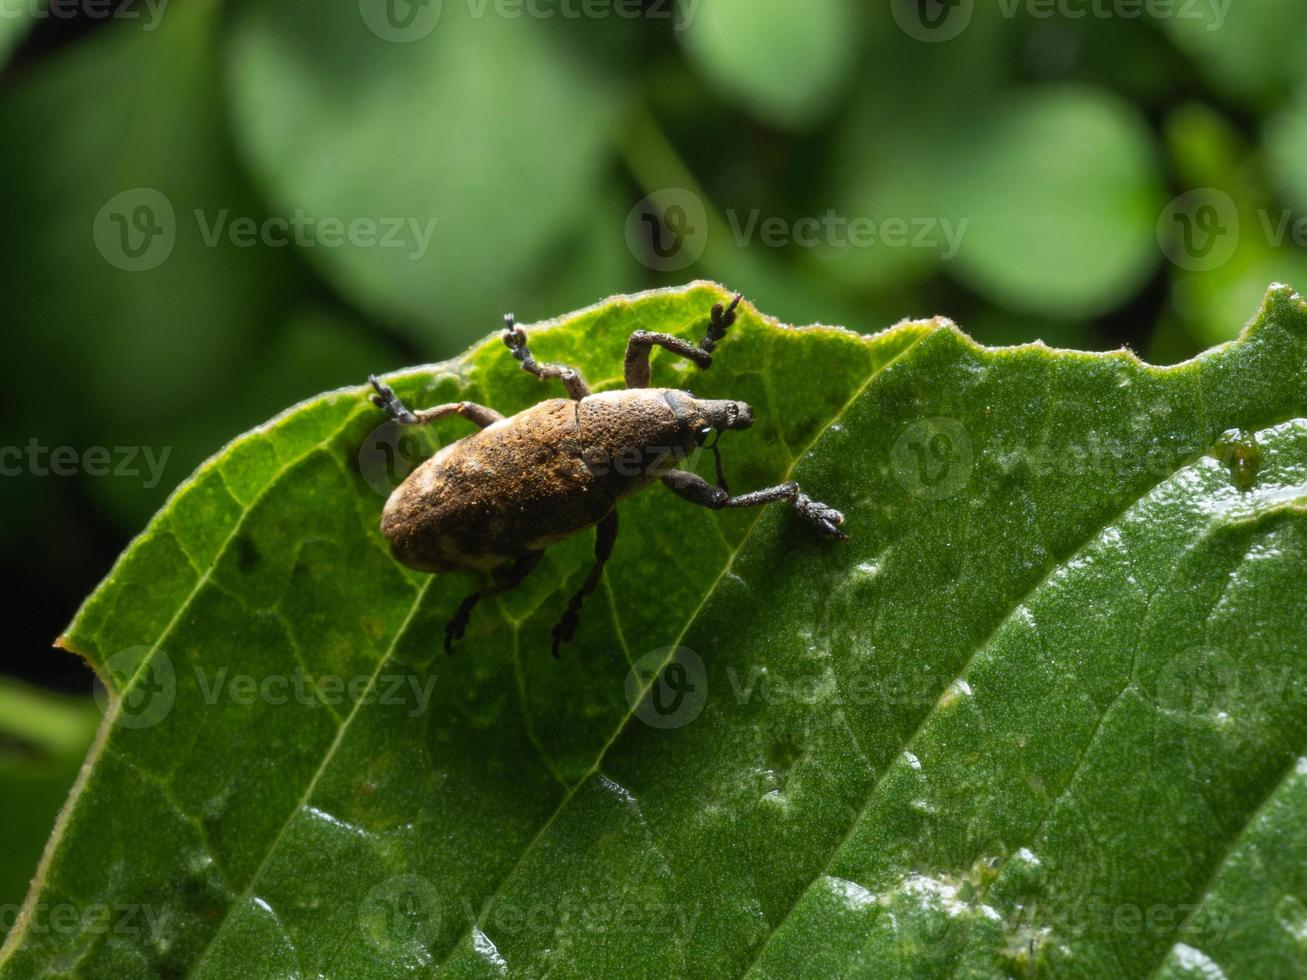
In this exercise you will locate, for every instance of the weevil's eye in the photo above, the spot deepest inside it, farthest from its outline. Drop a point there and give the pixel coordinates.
(701, 435)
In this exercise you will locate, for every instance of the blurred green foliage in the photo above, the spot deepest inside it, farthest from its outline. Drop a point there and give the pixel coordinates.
(214, 209)
(43, 739)
(1028, 159)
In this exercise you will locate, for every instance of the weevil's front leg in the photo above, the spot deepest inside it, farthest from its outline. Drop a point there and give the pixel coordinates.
(605, 536)
(699, 491)
(396, 409)
(505, 581)
(642, 343)
(515, 338)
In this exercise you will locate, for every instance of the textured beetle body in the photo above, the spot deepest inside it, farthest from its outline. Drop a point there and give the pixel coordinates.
(529, 481)
(495, 500)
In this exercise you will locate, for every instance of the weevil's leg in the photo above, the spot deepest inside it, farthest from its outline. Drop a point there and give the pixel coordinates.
(723, 318)
(641, 344)
(386, 398)
(699, 491)
(505, 581)
(515, 338)
(605, 536)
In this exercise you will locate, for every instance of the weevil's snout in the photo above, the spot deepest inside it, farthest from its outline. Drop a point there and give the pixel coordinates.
(723, 415)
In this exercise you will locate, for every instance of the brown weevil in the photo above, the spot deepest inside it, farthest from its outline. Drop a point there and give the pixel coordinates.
(496, 499)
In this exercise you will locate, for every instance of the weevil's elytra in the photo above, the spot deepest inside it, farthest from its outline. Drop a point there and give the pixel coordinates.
(496, 499)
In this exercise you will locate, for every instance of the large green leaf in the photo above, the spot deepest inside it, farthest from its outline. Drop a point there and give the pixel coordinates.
(1044, 711)
(468, 141)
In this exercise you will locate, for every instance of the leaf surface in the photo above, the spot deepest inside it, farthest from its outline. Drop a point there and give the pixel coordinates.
(1044, 711)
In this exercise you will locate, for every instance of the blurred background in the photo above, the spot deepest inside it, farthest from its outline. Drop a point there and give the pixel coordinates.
(214, 209)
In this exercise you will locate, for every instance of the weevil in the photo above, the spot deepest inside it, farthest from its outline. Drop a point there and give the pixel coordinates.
(494, 500)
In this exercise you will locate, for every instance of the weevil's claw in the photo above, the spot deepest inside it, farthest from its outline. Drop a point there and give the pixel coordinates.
(723, 318)
(385, 398)
(514, 336)
(825, 519)
(565, 630)
(454, 631)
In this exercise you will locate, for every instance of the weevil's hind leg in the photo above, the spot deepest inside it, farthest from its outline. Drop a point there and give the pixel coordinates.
(605, 536)
(694, 488)
(515, 339)
(386, 398)
(642, 343)
(505, 581)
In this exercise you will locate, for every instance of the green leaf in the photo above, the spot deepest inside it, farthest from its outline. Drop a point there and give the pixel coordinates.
(1286, 142)
(1240, 47)
(1043, 713)
(471, 141)
(138, 327)
(784, 62)
(1045, 203)
(43, 738)
(1061, 192)
(14, 25)
(1220, 268)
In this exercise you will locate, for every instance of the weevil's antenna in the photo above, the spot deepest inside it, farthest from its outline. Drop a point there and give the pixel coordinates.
(717, 461)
